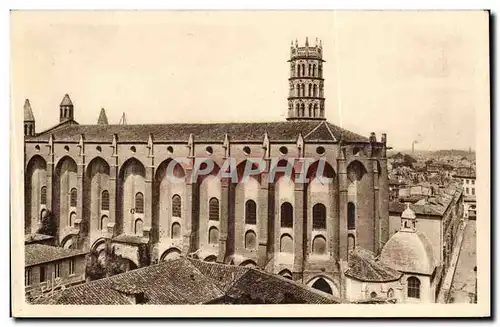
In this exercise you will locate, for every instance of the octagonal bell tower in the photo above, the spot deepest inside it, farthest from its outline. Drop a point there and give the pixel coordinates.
(306, 99)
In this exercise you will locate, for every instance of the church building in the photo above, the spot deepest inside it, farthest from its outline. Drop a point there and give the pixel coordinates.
(108, 184)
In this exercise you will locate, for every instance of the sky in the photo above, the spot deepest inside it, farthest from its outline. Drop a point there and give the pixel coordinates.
(417, 76)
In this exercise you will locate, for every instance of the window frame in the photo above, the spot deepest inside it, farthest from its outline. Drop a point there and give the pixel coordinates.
(250, 213)
(413, 287)
(211, 209)
(57, 270)
(71, 266)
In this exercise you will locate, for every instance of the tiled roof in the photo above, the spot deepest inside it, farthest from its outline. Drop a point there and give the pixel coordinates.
(434, 206)
(30, 238)
(188, 281)
(282, 131)
(35, 254)
(270, 288)
(28, 113)
(363, 266)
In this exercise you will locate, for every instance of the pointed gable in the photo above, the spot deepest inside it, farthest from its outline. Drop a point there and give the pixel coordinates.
(66, 101)
(28, 113)
(103, 119)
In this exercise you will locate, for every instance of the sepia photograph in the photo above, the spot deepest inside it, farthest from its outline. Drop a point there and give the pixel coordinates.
(293, 163)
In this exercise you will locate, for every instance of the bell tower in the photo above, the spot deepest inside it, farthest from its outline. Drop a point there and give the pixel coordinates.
(66, 109)
(306, 99)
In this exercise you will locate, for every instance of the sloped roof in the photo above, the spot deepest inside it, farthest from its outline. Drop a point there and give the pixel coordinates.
(28, 113)
(189, 281)
(409, 252)
(283, 131)
(35, 254)
(66, 101)
(363, 266)
(32, 238)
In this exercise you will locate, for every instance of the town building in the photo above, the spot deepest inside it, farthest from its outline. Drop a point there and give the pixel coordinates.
(48, 268)
(438, 218)
(467, 177)
(410, 252)
(111, 183)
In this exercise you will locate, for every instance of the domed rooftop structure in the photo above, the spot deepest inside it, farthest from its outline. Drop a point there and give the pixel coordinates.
(409, 252)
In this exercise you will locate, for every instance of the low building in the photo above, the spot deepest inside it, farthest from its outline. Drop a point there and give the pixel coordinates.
(369, 280)
(191, 281)
(48, 267)
(410, 252)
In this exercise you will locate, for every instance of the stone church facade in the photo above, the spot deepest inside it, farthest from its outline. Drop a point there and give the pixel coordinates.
(109, 183)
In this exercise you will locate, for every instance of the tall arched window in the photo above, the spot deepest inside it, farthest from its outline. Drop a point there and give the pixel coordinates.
(315, 90)
(213, 209)
(303, 87)
(250, 212)
(413, 287)
(176, 206)
(105, 200)
(73, 197)
(319, 216)
(302, 110)
(297, 90)
(309, 70)
(303, 70)
(310, 109)
(43, 195)
(351, 216)
(298, 70)
(286, 215)
(314, 70)
(25, 129)
(309, 91)
(139, 203)
(315, 110)
(138, 227)
(297, 109)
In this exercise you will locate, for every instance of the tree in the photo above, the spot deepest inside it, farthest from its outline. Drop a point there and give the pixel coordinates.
(48, 226)
(111, 264)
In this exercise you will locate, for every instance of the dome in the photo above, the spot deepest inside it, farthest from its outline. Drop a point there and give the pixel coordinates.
(409, 252)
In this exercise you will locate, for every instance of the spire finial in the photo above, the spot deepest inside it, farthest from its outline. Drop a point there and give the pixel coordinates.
(103, 119)
(307, 41)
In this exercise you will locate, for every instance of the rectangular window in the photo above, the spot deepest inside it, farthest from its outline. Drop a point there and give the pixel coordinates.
(467, 181)
(473, 191)
(71, 266)
(473, 182)
(466, 190)
(43, 274)
(57, 270)
(27, 277)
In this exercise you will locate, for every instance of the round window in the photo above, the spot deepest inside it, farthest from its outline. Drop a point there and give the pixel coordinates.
(209, 149)
(320, 150)
(66, 148)
(247, 150)
(283, 150)
(133, 149)
(98, 148)
(170, 149)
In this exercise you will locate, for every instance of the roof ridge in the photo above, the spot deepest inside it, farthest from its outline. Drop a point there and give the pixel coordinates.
(313, 130)
(216, 263)
(329, 130)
